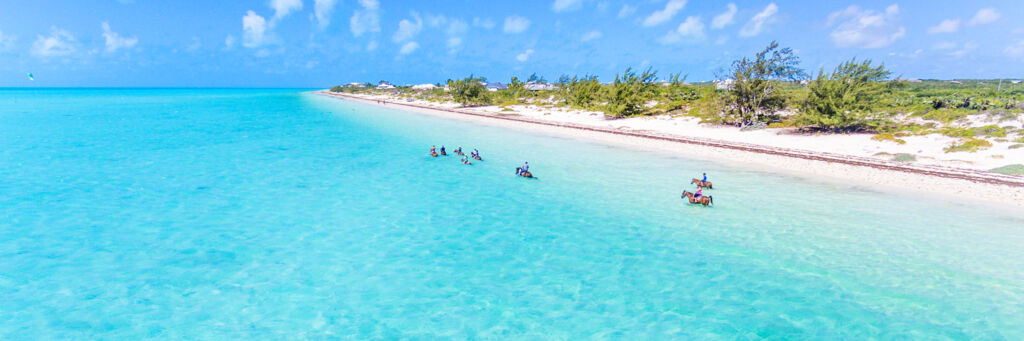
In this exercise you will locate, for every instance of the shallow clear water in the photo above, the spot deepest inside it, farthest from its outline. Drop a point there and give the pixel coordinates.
(233, 214)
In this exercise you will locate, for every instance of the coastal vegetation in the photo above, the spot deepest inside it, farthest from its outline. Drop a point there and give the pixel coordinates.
(769, 90)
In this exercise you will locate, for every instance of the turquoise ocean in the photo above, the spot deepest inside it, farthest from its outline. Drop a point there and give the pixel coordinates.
(282, 214)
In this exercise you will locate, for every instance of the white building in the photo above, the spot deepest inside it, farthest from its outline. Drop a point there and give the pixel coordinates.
(532, 86)
(385, 86)
(424, 87)
(723, 84)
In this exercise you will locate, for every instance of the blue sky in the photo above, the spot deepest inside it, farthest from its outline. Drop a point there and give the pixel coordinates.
(317, 43)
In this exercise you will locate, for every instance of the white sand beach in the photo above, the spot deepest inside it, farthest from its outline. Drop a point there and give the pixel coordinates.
(843, 158)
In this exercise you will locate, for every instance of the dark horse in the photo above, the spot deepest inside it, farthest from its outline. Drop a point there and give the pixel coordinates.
(705, 184)
(703, 200)
(522, 173)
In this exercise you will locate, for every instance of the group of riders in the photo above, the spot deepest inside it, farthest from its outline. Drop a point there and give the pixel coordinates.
(523, 171)
(698, 197)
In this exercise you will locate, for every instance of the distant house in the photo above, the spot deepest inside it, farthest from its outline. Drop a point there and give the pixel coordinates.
(424, 87)
(956, 82)
(385, 86)
(535, 86)
(805, 82)
(1015, 82)
(495, 86)
(357, 85)
(723, 84)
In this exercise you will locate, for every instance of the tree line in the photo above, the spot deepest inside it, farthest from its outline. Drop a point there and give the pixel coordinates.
(763, 89)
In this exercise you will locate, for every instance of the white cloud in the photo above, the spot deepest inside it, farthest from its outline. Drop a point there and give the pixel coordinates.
(725, 18)
(283, 7)
(323, 9)
(407, 48)
(690, 30)
(516, 24)
(984, 16)
(372, 45)
(59, 43)
(522, 57)
(229, 42)
(664, 15)
(943, 45)
(566, 5)
(626, 11)
(963, 51)
(946, 26)
(486, 23)
(365, 20)
(116, 41)
(1015, 50)
(408, 29)
(595, 34)
(759, 22)
(865, 28)
(6, 42)
(254, 27)
(456, 28)
(454, 42)
(195, 45)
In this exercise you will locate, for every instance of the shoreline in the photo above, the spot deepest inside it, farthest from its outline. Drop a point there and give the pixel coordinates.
(993, 188)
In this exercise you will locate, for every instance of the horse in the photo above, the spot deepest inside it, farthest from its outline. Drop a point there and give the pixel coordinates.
(443, 153)
(477, 157)
(522, 173)
(705, 184)
(433, 154)
(703, 200)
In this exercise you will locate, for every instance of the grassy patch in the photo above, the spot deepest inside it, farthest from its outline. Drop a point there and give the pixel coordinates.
(945, 115)
(991, 131)
(1015, 146)
(1015, 169)
(888, 137)
(904, 157)
(968, 145)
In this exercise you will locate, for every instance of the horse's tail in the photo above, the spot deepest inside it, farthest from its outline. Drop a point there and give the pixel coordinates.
(711, 199)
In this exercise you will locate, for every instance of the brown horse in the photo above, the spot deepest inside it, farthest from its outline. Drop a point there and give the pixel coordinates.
(703, 200)
(525, 174)
(705, 184)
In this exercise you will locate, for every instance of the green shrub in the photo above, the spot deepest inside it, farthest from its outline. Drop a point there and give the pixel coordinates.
(630, 92)
(888, 137)
(469, 91)
(968, 145)
(1016, 146)
(945, 115)
(844, 98)
(1015, 169)
(904, 157)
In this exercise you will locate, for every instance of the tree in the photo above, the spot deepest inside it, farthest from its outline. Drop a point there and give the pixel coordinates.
(754, 90)
(580, 92)
(630, 92)
(843, 99)
(534, 78)
(677, 93)
(468, 91)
